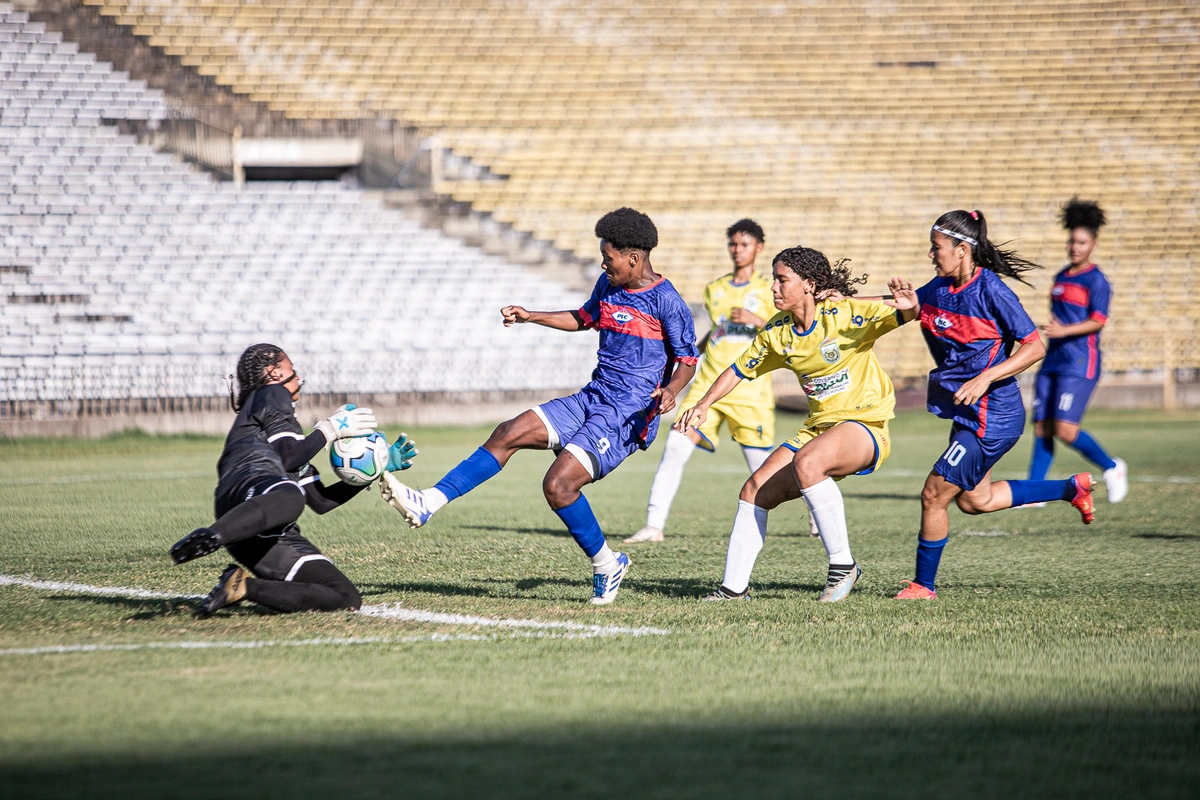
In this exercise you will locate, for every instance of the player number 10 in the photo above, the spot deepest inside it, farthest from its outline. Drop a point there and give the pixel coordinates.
(954, 454)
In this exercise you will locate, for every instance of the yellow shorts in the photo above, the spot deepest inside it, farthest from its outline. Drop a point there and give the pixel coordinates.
(750, 426)
(878, 431)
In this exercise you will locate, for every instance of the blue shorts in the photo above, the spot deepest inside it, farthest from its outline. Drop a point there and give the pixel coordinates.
(969, 458)
(599, 432)
(1062, 397)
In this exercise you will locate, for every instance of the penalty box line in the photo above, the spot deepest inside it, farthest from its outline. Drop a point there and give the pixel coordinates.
(530, 628)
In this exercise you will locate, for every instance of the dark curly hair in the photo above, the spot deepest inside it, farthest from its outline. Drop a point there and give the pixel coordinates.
(814, 266)
(626, 229)
(1076, 213)
(970, 228)
(746, 226)
(251, 371)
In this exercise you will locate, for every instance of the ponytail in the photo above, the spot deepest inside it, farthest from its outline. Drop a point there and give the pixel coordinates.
(970, 227)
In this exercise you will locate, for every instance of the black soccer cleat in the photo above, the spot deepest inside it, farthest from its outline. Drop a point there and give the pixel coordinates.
(230, 589)
(199, 542)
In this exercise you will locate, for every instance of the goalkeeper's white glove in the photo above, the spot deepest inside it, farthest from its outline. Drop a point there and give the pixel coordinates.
(348, 421)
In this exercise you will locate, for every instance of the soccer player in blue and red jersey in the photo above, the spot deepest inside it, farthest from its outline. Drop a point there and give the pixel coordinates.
(971, 321)
(647, 356)
(1068, 376)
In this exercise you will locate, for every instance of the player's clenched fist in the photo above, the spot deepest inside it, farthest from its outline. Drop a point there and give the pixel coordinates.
(513, 315)
(692, 418)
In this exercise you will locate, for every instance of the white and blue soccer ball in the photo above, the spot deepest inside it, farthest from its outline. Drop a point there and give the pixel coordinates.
(359, 461)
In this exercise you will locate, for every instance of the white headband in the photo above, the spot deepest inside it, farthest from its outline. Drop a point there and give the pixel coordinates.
(954, 235)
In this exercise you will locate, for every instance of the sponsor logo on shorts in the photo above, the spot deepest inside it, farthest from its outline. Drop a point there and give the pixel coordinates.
(825, 386)
(603, 445)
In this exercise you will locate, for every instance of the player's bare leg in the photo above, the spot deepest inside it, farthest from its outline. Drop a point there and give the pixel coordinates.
(526, 431)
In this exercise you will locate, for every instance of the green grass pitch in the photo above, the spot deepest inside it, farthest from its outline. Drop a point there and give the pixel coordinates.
(1059, 660)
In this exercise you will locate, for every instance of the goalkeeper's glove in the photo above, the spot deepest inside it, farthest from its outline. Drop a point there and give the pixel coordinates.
(348, 421)
(401, 454)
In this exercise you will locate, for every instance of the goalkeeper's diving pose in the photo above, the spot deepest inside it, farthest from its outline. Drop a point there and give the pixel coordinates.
(264, 483)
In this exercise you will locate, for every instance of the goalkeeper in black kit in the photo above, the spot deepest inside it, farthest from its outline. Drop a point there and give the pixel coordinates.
(264, 483)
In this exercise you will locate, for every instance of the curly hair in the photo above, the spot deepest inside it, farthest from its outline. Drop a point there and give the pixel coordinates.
(252, 369)
(814, 266)
(748, 226)
(1076, 213)
(626, 229)
(970, 228)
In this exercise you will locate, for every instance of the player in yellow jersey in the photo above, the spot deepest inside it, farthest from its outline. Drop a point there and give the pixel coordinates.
(829, 345)
(738, 304)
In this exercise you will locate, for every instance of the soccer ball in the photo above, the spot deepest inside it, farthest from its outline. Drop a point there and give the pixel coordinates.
(361, 460)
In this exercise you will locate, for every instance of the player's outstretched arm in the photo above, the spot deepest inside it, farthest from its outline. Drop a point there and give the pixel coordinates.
(1060, 330)
(559, 320)
(694, 417)
(903, 299)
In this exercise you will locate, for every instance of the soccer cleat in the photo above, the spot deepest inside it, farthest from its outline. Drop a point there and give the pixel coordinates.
(604, 586)
(409, 502)
(836, 588)
(1083, 497)
(1116, 481)
(724, 594)
(198, 543)
(230, 589)
(646, 534)
(915, 591)
(813, 530)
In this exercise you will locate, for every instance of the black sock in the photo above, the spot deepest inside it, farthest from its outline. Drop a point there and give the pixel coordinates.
(837, 572)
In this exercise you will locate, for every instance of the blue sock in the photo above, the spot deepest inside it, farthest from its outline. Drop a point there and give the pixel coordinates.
(477, 468)
(1040, 491)
(1090, 449)
(582, 524)
(929, 555)
(1043, 457)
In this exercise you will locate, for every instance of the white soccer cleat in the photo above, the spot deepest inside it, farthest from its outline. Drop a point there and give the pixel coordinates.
(646, 534)
(604, 586)
(837, 588)
(1116, 481)
(1038, 504)
(409, 502)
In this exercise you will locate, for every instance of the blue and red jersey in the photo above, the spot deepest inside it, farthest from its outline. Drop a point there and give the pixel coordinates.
(970, 329)
(643, 334)
(1074, 299)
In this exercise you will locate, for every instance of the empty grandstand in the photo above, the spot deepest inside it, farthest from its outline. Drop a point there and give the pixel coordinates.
(843, 124)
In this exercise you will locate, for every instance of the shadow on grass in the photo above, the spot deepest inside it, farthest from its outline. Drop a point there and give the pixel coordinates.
(561, 532)
(1060, 753)
(692, 588)
(445, 589)
(1168, 537)
(145, 608)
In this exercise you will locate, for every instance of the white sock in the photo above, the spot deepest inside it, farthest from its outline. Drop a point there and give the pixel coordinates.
(678, 450)
(604, 562)
(755, 456)
(434, 499)
(745, 543)
(824, 501)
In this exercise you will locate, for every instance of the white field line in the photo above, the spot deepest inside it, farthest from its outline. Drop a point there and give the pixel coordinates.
(389, 611)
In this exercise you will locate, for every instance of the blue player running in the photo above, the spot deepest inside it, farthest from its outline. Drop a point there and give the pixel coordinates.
(971, 321)
(1068, 376)
(647, 356)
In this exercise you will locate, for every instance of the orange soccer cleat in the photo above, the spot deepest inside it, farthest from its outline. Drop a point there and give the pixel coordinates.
(915, 591)
(1083, 497)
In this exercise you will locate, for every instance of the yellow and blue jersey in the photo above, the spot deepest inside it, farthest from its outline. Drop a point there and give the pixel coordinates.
(834, 359)
(728, 339)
